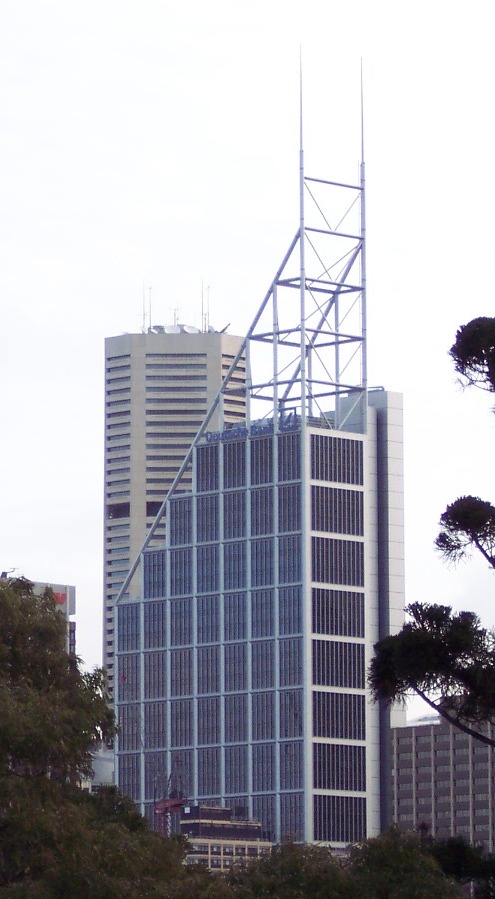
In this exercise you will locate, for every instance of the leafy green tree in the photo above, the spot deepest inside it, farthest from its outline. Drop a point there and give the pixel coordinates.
(396, 865)
(293, 872)
(467, 523)
(439, 653)
(444, 654)
(56, 841)
(474, 353)
(51, 711)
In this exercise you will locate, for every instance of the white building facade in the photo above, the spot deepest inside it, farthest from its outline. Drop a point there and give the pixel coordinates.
(159, 385)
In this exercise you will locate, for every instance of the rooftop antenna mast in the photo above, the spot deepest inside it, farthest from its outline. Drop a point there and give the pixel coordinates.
(302, 271)
(364, 364)
(309, 333)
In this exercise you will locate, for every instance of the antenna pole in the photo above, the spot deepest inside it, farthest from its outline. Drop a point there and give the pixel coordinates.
(302, 273)
(363, 264)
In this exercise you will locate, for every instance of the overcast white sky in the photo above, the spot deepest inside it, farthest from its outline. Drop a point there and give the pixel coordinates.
(154, 142)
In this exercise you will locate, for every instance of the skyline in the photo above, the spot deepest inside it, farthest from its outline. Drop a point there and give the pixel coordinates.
(159, 147)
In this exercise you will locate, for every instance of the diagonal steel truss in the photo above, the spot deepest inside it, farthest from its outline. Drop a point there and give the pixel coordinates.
(306, 348)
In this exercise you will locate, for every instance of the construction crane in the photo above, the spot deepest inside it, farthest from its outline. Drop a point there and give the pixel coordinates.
(173, 800)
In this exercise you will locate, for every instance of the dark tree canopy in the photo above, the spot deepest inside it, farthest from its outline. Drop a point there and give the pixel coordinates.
(474, 353)
(56, 841)
(468, 522)
(51, 711)
(443, 654)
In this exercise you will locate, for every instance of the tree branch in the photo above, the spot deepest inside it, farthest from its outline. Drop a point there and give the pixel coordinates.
(455, 721)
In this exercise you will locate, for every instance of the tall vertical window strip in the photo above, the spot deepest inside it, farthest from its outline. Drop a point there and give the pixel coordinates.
(181, 672)
(154, 573)
(235, 655)
(263, 664)
(236, 769)
(208, 619)
(207, 570)
(234, 571)
(262, 460)
(292, 815)
(262, 562)
(180, 571)
(181, 722)
(208, 669)
(130, 775)
(155, 724)
(289, 558)
(337, 561)
(335, 510)
(289, 456)
(129, 727)
(209, 720)
(262, 511)
(263, 767)
(207, 467)
(289, 507)
(128, 624)
(336, 459)
(339, 612)
(129, 677)
(263, 716)
(262, 613)
(154, 624)
(208, 771)
(207, 518)
(291, 713)
(155, 678)
(180, 622)
(180, 517)
(291, 669)
(234, 464)
(234, 515)
(291, 765)
(235, 617)
(290, 610)
(236, 716)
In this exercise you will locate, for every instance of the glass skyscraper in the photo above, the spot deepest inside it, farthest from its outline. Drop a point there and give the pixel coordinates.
(241, 666)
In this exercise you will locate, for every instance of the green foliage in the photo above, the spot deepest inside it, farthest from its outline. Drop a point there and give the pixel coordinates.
(458, 859)
(474, 353)
(439, 652)
(51, 711)
(468, 522)
(396, 865)
(293, 872)
(57, 842)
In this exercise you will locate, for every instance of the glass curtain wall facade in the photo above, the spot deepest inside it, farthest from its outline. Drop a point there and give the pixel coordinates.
(243, 667)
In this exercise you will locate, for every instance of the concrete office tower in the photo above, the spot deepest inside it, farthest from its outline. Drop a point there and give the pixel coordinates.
(158, 387)
(242, 666)
(445, 780)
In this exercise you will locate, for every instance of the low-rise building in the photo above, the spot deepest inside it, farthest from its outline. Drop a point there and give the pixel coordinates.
(444, 780)
(217, 839)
